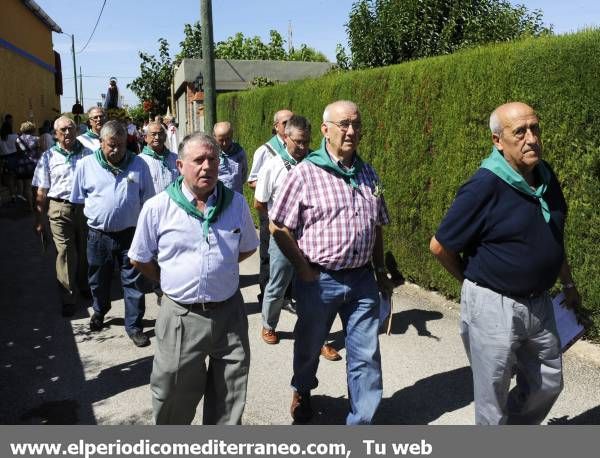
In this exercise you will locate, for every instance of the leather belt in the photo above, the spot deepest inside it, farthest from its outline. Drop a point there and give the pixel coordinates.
(530, 295)
(203, 306)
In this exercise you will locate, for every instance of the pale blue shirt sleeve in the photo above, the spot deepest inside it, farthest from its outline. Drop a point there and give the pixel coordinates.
(248, 237)
(78, 191)
(144, 246)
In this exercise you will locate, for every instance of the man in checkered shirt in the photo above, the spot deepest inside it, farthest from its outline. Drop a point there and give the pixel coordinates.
(327, 220)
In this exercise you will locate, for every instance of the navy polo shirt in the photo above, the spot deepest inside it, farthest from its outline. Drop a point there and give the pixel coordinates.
(505, 242)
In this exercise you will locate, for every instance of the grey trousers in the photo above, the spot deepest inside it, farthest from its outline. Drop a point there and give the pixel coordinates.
(504, 336)
(200, 354)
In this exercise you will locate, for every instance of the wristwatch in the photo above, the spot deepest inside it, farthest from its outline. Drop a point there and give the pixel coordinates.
(569, 285)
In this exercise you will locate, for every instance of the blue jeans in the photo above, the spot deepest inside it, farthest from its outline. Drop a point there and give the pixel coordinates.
(280, 276)
(353, 294)
(103, 248)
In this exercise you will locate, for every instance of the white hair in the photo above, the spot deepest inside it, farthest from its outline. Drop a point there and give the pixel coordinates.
(495, 123)
(62, 118)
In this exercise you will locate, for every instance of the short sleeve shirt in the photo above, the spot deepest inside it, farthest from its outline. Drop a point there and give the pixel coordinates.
(505, 242)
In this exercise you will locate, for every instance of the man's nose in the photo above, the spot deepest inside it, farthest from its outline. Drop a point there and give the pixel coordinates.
(531, 136)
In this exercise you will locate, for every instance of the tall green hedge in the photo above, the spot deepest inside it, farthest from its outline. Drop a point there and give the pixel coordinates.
(425, 129)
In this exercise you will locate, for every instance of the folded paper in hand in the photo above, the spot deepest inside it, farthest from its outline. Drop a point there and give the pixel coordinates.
(569, 330)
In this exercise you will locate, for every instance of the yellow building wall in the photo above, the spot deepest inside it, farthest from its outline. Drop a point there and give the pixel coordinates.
(26, 89)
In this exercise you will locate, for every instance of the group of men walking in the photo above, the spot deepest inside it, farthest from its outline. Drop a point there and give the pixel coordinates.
(181, 222)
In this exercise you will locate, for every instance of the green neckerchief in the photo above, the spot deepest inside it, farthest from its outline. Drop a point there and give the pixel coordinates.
(281, 150)
(115, 170)
(224, 198)
(502, 169)
(69, 155)
(92, 134)
(163, 158)
(321, 158)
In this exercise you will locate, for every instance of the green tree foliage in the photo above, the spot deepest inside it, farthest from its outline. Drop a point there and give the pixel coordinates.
(137, 113)
(154, 82)
(191, 46)
(307, 54)
(386, 32)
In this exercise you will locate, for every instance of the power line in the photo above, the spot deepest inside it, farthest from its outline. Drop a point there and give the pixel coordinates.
(97, 21)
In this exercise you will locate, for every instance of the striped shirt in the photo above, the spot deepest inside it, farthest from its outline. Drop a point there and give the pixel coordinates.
(55, 174)
(333, 222)
(161, 176)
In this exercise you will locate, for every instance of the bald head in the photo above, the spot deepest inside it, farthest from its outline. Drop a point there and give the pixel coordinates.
(505, 112)
(339, 106)
(279, 121)
(223, 133)
(516, 134)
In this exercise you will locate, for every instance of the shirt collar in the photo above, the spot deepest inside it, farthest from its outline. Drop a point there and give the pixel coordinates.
(192, 198)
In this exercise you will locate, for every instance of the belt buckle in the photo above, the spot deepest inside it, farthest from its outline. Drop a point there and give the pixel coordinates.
(205, 306)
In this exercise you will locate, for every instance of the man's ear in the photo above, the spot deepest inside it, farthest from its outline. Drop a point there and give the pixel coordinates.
(497, 142)
(324, 129)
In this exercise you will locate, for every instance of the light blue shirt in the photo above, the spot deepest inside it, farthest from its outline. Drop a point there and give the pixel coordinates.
(230, 174)
(112, 203)
(161, 176)
(192, 269)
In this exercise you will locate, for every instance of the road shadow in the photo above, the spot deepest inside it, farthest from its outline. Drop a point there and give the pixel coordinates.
(420, 404)
(589, 417)
(417, 318)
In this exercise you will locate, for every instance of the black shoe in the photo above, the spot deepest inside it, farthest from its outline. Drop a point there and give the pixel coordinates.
(68, 310)
(96, 322)
(140, 339)
(289, 306)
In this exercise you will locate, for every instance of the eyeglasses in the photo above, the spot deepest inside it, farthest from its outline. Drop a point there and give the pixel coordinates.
(97, 117)
(345, 124)
(302, 144)
(156, 134)
(66, 128)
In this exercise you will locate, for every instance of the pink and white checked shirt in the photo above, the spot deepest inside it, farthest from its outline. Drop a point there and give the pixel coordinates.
(333, 222)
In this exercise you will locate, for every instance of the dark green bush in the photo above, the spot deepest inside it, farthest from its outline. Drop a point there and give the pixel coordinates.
(426, 131)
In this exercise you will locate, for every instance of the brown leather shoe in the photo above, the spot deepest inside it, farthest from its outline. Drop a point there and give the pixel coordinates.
(330, 353)
(300, 409)
(269, 336)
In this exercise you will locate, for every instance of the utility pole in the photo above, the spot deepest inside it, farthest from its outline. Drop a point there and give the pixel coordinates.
(208, 64)
(74, 67)
(81, 86)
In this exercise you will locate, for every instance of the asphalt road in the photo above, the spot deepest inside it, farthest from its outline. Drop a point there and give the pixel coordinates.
(54, 371)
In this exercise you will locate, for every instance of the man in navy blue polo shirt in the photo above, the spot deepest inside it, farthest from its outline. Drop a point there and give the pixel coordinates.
(507, 221)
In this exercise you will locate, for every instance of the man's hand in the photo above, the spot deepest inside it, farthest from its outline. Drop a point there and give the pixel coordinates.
(384, 284)
(572, 298)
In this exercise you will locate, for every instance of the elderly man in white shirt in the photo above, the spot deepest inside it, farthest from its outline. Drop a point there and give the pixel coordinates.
(273, 147)
(161, 161)
(191, 238)
(53, 178)
(91, 138)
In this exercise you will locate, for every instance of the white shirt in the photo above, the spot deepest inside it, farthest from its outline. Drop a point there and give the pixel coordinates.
(192, 268)
(261, 155)
(172, 142)
(271, 177)
(161, 176)
(54, 173)
(89, 142)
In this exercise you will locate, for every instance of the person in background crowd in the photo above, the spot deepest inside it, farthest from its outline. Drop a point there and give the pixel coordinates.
(53, 180)
(508, 222)
(223, 133)
(113, 183)
(28, 147)
(269, 149)
(91, 138)
(172, 135)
